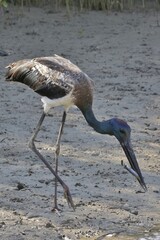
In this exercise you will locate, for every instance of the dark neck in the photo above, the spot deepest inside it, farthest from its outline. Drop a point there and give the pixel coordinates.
(103, 127)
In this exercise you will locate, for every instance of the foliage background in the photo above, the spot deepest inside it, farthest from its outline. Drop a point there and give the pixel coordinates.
(70, 5)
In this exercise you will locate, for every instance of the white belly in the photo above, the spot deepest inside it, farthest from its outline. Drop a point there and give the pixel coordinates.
(66, 102)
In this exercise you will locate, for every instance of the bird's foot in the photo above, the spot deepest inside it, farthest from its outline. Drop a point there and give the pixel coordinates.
(68, 197)
(56, 210)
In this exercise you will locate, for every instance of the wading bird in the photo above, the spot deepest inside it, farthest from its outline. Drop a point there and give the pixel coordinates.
(61, 83)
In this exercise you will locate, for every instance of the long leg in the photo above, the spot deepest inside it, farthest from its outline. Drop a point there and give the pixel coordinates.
(57, 151)
(34, 149)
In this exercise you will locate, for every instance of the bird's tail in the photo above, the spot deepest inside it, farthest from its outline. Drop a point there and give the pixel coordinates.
(22, 71)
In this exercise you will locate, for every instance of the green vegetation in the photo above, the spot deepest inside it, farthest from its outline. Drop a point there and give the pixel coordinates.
(85, 4)
(3, 3)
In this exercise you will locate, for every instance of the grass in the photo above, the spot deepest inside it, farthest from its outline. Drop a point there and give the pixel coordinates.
(119, 5)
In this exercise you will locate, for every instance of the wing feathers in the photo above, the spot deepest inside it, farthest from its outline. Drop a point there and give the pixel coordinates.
(44, 75)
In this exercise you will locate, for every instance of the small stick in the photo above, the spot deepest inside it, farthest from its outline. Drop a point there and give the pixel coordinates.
(129, 169)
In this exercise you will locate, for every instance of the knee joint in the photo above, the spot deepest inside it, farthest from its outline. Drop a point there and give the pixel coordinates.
(57, 150)
(31, 144)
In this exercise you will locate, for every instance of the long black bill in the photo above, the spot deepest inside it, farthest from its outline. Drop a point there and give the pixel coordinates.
(135, 170)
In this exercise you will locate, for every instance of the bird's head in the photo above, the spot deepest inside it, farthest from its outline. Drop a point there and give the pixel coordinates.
(122, 131)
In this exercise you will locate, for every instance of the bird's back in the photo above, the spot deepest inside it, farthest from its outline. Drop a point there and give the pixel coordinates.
(53, 77)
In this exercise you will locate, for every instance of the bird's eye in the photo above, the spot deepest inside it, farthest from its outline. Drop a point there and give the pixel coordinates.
(122, 131)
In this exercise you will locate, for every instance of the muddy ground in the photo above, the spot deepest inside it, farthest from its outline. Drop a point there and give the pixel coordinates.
(121, 53)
